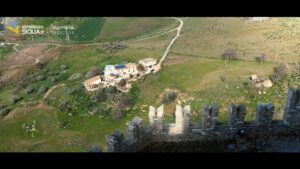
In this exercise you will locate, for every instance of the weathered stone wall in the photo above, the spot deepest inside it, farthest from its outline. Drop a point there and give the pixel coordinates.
(209, 130)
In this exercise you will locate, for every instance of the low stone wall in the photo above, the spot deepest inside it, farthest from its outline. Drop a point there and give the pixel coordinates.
(209, 130)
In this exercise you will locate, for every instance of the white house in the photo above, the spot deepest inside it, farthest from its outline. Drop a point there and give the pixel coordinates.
(148, 62)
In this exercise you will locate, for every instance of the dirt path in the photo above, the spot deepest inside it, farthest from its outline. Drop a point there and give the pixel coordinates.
(40, 105)
(18, 52)
(52, 88)
(158, 66)
(176, 59)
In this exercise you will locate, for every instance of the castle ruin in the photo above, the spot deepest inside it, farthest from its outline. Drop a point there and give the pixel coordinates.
(248, 135)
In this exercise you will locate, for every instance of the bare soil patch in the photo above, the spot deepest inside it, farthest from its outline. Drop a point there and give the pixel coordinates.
(24, 56)
(176, 59)
(22, 109)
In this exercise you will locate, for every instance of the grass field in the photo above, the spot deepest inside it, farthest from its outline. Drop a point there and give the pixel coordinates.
(211, 36)
(200, 78)
(121, 28)
(4, 51)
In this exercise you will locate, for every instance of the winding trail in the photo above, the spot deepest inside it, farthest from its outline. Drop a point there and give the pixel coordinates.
(15, 49)
(170, 45)
(52, 88)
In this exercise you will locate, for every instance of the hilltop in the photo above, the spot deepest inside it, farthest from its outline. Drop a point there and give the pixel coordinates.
(72, 119)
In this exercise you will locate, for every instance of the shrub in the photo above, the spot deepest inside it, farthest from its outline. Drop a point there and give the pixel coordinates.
(261, 58)
(28, 90)
(128, 101)
(102, 109)
(168, 97)
(63, 67)
(230, 54)
(112, 90)
(51, 73)
(1, 106)
(117, 112)
(64, 124)
(39, 78)
(41, 65)
(31, 104)
(280, 71)
(100, 95)
(54, 80)
(223, 78)
(14, 99)
(94, 72)
(14, 92)
(22, 85)
(140, 67)
(63, 105)
(42, 90)
(122, 83)
(95, 149)
(77, 90)
(5, 112)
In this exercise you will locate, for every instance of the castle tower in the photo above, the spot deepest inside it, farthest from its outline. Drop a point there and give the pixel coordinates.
(291, 114)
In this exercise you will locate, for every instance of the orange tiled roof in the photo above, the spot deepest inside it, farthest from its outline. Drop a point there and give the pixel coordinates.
(91, 80)
(129, 65)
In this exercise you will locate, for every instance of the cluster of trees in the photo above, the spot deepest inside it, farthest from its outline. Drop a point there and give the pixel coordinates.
(230, 54)
(77, 90)
(14, 99)
(113, 47)
(168, 97)
(102, 109)
(122, 101)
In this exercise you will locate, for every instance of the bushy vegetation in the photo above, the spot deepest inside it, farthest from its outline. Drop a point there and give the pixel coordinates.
(140, 68)
(42, 90)
(122, 83)
(14, 99)
(261, 58)
(168, 97)
(112, 47)
(279, 72)
(230, 54)
(94, 71)
(5, 112)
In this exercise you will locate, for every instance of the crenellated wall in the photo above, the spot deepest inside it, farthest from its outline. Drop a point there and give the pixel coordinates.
(138, 137)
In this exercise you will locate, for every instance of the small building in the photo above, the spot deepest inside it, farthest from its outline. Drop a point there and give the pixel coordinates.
(148, 62)
(90, 83)
(132, 68)
(110, 76)
(109, 69)
(2, 44)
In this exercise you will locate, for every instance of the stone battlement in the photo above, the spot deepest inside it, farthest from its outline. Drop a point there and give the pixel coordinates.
(138, 137)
